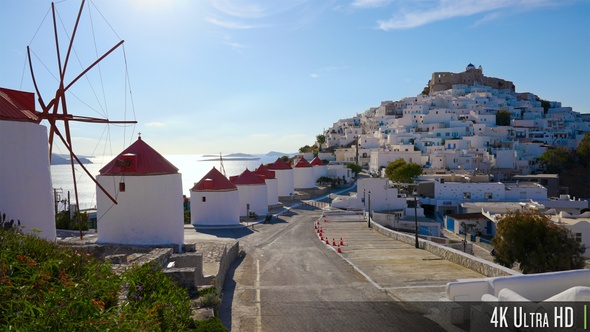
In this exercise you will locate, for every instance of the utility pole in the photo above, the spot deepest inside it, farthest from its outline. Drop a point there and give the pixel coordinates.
(357, 149)
(369, 219)
(416, 218)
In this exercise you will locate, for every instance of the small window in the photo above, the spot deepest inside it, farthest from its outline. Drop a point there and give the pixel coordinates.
(579, 237)
(467, 195)
(488, 195)
(204, 199)
(122, 187)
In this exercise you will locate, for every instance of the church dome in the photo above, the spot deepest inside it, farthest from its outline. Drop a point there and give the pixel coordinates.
(470, 67)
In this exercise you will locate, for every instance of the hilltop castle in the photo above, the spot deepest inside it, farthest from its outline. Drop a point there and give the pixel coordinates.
(442, 81)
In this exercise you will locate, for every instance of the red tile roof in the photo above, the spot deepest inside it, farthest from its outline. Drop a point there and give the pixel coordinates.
(246, 178)
(279, 164)
(18, 106)
(303, 163)
(139, 159)
(317, 162)
(262, 170)
(214, 181)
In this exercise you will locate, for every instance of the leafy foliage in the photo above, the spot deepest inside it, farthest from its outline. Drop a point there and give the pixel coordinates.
(63, 220)
(356, 169)
(400, 171)
(9, 225)
(321, 140)
(45, 287)
(305, 149)
(503, 118)
(554, 160)
(583, 150)
(539, 245)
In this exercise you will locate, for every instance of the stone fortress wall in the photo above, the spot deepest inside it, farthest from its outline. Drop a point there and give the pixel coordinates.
(445, 80)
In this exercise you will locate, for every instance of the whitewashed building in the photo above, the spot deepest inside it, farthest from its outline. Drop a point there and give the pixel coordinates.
(319, 168)
(285, 177)
(303, 175)
(25, 178)
(252, 193)
(148, 190)
(579, 225)
(272, 187)
(214, 201)
(383, 197)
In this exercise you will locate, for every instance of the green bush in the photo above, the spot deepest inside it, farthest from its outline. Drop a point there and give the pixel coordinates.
(47, 287)
(63, 221)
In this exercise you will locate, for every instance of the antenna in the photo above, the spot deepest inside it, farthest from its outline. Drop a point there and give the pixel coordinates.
(221, 167)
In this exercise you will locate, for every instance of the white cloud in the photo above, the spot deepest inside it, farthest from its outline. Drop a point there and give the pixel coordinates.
(155, 124)
(252, 10)
(406, 17)
(235, 45)
(249, 14)
(314, 75)
(230, 24)
(370, 3)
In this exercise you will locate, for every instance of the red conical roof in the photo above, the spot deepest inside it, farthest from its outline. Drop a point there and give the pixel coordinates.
(214, 181)
(279, 164)
(317, 162)
(18, 106)
(246, 178)
(303, 163)
(139, 159)
(263, 171)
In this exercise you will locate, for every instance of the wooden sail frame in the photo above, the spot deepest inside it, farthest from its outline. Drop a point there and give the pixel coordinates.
(51, 111)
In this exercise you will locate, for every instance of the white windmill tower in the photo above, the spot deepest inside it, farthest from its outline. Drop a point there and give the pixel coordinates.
(55, 110)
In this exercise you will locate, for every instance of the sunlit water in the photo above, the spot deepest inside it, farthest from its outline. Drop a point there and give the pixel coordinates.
(192, 168)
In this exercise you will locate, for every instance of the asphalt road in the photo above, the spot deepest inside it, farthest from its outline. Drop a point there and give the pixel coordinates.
(289, 281)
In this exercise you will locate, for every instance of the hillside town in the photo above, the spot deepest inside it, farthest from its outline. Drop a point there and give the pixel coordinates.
(474, 168)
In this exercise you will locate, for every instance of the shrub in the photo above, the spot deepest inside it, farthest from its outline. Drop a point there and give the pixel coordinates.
(47, 287)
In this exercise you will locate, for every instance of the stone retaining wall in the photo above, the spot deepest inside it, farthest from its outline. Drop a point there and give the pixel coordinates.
(476, 264)
(230, 254)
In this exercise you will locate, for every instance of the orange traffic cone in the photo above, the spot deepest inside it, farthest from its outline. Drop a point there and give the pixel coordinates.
(341, 241)
(333, 242)
(327, 241)
(339, 250)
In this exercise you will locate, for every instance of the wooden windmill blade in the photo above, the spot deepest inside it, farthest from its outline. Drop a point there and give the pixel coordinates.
(51, 111)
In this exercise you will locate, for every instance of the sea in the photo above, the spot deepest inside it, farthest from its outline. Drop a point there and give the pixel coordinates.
(192, 168)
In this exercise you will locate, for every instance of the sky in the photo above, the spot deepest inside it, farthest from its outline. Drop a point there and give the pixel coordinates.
(226, 76)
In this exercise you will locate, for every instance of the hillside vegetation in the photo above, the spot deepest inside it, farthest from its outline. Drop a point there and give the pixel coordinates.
(47, 287)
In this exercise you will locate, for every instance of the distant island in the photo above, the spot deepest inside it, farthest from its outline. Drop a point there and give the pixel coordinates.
(279, 154)
(63, 159)
(242, 156)
(231, 156)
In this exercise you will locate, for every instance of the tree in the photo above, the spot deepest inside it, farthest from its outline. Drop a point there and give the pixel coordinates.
(583, 150)
(555, 160)
(392, 166)
(400, 171)
(539, 245)
(305, 148)
(321, 140)
(503, 118)
(356, 169)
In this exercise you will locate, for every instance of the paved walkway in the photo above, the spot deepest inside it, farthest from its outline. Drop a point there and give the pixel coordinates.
(404, 272)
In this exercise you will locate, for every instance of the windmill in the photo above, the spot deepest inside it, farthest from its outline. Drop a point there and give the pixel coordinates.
(56, 109)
